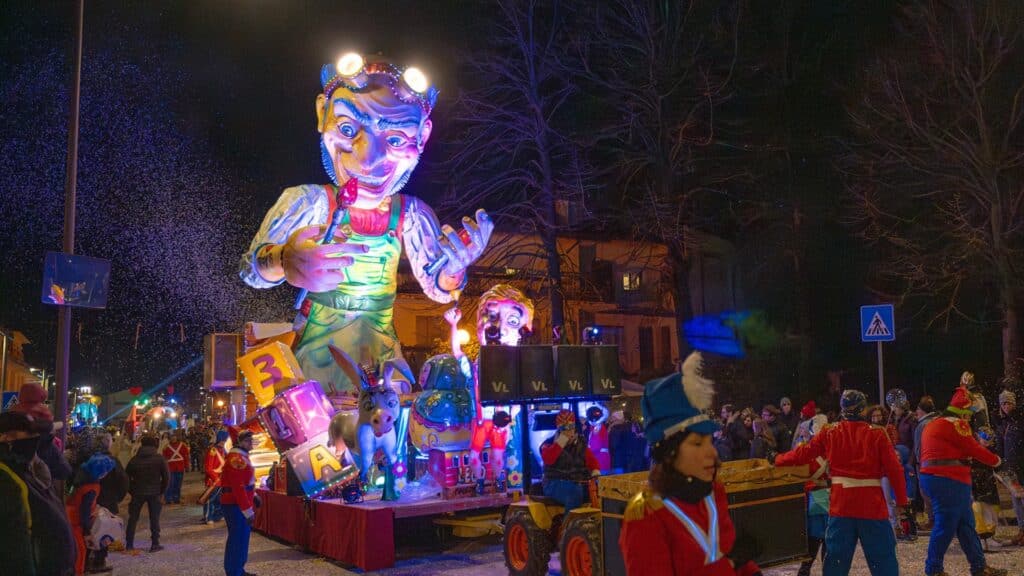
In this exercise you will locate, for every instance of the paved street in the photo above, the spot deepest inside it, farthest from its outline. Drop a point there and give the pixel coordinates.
(194, 549)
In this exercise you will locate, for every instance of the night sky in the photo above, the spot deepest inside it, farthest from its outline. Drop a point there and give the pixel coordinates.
(195, 115)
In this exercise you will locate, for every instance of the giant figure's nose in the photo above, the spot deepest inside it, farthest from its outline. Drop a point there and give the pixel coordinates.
(369, 150)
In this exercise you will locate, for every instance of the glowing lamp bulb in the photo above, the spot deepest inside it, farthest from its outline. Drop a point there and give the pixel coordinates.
(220, 403)
(416, 80)
(158, 414)
(350, 64)
(174, 414)
(463, 337)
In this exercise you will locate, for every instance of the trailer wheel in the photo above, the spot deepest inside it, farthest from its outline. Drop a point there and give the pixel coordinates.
(581, 551)
(527, 546)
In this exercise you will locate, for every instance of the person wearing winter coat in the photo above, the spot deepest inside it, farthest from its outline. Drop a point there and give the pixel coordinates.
(740, 432)
(781, 434)
(113, 489)
(627, 444)
(81, 508)
(50, 546)
(1010, 434)
(148, 478)
(788, 416)
(925, 413)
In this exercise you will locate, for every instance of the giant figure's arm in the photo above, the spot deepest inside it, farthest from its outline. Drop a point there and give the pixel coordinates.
(297, 207)
(420, 231)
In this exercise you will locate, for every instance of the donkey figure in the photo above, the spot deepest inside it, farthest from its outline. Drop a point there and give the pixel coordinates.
(374, 429)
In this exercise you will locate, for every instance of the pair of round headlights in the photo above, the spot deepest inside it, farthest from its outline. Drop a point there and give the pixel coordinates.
(353, 67)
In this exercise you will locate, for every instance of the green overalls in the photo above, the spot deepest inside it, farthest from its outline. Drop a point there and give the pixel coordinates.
(357, 316)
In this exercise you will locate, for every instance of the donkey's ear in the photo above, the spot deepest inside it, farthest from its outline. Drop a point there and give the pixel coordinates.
(347, 364)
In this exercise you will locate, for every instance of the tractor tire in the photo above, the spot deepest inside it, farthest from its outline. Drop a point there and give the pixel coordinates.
(527, 546)
(581, 549)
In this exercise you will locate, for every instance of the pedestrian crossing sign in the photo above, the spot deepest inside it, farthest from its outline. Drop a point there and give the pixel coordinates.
(877, 323)
(10, 400)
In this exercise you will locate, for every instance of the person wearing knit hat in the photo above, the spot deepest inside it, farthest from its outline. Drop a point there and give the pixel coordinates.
(81, 506)
(31, 400)
(49, 546)
(947, 447)
(568, 463)
(681, 524)
(789, 416)
(858, 456)
(1010, 444)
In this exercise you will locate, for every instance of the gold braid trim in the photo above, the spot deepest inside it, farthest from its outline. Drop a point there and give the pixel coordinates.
(641, 505)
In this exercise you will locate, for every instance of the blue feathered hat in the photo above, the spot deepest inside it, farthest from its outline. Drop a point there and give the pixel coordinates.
(98, 466)
(222, 436)
(678, 402)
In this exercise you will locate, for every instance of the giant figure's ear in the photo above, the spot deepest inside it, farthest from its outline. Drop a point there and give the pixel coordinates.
(321, 113)
(425, 129)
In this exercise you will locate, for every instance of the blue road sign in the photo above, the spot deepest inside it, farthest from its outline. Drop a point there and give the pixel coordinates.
(877, 323)
(10, 400)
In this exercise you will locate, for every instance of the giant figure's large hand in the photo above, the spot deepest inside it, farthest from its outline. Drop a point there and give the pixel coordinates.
(317, 267)
(461, 253)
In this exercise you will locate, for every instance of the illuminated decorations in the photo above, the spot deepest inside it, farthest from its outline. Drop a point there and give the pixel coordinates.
(351, 71)
(316, 466)
(296, 415)
(270, 369)
(442, 415)
(380, 419)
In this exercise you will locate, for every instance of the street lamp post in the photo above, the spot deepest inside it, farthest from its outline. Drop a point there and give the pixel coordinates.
(70, 184)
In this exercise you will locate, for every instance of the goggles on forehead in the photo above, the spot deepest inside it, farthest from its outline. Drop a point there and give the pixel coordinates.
(408, 84)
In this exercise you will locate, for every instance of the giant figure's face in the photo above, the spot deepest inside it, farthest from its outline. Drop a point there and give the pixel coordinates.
(372, 136)
(504, 319)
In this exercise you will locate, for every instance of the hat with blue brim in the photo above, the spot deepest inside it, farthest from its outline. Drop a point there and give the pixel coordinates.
(678, 403)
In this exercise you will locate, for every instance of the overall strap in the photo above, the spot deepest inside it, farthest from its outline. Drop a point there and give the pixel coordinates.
(332, 199)
(397, 202)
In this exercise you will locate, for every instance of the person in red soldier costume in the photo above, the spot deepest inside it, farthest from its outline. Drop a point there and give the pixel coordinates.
(213, 464)
(947, 448)
(239, 500)
(176, 454)
(681, 525)
(859, 455)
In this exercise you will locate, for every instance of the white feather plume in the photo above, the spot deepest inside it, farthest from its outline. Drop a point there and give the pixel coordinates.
(699, 390)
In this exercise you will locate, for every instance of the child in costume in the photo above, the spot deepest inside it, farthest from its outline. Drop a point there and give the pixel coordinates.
(681, 525)
(81, 505)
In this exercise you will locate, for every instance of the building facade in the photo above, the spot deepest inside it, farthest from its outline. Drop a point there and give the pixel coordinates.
(620, 287)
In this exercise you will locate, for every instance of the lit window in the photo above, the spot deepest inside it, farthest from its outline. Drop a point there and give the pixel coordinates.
(631, 281)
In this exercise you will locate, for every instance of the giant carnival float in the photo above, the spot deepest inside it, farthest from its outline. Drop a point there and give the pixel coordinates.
(355, 448)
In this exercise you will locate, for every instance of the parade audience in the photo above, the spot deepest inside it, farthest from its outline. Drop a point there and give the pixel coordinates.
(148, 478)
(113, 489)
(81, 508)
(50, 549)
(1010, 445)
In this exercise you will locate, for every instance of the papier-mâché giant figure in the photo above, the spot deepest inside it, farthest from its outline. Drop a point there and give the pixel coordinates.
(374, 120)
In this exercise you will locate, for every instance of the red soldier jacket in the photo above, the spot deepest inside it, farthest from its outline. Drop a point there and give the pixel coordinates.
(654, 540)
(859, 455)
(238, 481)
(176, 454)
(947, 445)
(214, 464)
